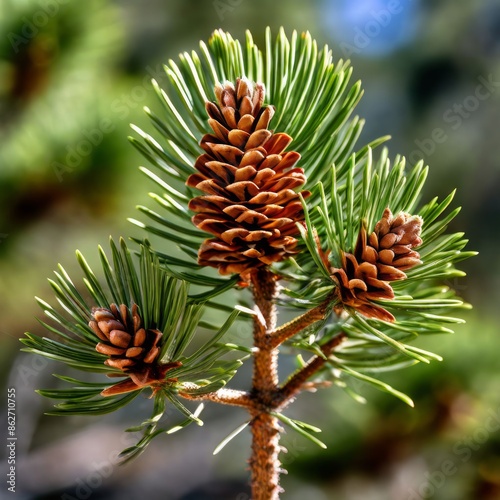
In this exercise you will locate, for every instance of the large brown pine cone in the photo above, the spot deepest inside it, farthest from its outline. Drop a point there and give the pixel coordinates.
(249, 205)
(377, 260)
(131, 348)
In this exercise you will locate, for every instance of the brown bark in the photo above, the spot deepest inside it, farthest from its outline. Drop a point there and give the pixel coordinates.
(296, 382)
(295, 326)
(264, 462)
(223, 396)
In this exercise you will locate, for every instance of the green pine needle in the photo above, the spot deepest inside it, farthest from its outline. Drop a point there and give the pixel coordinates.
(164, 304)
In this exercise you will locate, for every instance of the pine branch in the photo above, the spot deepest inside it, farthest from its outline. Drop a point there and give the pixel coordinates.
(300, 323)
(223, 396)
(355, 227)
(265, 377)
(295, 383)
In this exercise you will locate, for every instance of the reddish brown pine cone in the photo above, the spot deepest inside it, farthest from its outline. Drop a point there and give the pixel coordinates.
(249, 204)
(130, 347)
(377, 260)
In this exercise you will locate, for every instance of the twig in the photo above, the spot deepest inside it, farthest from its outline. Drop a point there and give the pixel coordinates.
(296, 382)
(223, 396)
(295, 326)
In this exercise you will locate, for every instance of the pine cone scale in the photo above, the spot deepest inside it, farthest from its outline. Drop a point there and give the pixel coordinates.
(245, 123)
(210, 204)
(258, 138)
(133, 352)
(365, 270)
(109, 350)
(210, 187)
(388, 241)
(214, 112)
(243, 190)
(277, 223)
(264, 198)
(224, 171)
(271, 162)
(264, 118)
(390, 273)
(121, 363)
(238, 138)
(98, 331)
(151, 356)
(245, 173)
(229, 117)
(221, 132)
(250, 159)
(120, 338)
(386, 256)
(140, 337)
(278, 143)
(107, 326)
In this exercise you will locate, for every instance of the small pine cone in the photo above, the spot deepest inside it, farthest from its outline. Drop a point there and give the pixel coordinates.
(391, 245)
(377, 260)
(249, 205)
(131, 348)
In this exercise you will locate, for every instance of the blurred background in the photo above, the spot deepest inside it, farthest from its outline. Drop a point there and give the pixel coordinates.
(74, 75)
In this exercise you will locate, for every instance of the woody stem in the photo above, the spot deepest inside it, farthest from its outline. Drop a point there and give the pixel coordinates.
(224, 396)
(264, 462)
(300, 323)
(296, 382)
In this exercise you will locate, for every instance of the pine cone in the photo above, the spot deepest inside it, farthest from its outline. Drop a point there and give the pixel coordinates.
(377, 260)
(249, 205)
(130, 347)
